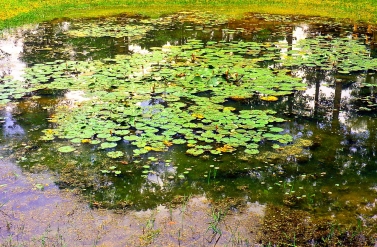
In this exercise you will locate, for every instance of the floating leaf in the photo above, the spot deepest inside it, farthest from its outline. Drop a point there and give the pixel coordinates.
(115, 154)
(106, 145)
(66, 149)
(269, 98)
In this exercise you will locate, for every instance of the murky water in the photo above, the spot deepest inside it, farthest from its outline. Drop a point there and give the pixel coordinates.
(328, 169)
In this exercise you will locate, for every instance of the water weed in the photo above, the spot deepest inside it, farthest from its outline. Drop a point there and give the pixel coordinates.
(216, 233)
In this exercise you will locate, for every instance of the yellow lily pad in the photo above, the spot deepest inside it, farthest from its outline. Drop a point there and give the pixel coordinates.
(269, 98)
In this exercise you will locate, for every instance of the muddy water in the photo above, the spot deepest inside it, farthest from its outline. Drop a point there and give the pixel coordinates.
(31, 216)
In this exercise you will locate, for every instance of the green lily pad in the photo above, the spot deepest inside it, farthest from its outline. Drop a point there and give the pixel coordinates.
(106, 145)
(66, 149)
(115, 154)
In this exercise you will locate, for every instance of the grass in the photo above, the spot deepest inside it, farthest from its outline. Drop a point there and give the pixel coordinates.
(18, 12)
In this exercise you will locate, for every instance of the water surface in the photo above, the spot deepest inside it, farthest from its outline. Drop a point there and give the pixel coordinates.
(323, 160)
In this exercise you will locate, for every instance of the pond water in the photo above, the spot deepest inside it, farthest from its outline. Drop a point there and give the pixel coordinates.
(137, 112)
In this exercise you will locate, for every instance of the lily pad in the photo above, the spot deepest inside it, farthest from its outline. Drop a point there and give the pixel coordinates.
(66, 149)
(115, 154)
(106, 145)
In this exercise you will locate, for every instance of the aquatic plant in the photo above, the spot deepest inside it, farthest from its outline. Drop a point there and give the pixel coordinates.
(66, 149)
(204, 98)
(108, 117)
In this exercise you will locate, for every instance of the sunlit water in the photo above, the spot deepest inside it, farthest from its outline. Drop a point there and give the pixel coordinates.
(335, 175)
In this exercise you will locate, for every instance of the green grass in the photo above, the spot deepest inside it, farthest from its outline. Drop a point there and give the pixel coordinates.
(18, 12)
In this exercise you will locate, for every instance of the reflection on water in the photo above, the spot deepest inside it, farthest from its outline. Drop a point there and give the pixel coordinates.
(73, 98)
(138, 49)
(11, 49)
(10, 126)
(332, 174)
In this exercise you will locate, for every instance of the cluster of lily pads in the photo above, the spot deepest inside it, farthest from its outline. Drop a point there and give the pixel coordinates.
(11, 89)
(136, 28)
(153, 101)
(176, 94)
(193, 19)
(192, 98)
(344, 55)
(366, 104)
(109, 29)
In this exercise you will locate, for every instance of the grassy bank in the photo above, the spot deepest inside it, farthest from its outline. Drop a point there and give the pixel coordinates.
(17, 12)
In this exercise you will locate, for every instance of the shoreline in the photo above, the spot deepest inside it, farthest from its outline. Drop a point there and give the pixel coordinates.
(32, 216)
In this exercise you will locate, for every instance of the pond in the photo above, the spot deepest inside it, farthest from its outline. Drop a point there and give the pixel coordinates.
(136, 112)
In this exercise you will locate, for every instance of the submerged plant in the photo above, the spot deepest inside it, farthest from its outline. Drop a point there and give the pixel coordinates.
(214, 226)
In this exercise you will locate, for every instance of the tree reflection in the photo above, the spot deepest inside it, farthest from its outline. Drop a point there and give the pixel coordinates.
(327, 174)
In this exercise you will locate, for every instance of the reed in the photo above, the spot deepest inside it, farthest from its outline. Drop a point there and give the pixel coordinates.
(18, 12)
